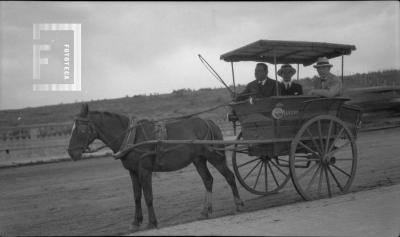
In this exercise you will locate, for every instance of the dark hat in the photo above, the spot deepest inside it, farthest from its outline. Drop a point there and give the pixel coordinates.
(286, 67)
(322, 62)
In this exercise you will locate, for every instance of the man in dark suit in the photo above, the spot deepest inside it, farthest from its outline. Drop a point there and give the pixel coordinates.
(287, 87)
(261, 87)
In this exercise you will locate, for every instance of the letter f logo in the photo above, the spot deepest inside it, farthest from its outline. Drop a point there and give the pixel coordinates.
(37, 48)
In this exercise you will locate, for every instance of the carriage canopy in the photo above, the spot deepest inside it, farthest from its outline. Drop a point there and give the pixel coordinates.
(297, 52)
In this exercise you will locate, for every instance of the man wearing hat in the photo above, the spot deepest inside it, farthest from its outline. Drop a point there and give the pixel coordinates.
(263, 86)
(327, 85)
(287, 87)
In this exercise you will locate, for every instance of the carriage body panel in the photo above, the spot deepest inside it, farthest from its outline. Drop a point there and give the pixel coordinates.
(282, 116)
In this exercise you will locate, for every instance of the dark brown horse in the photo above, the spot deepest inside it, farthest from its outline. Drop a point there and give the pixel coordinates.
(111, 129)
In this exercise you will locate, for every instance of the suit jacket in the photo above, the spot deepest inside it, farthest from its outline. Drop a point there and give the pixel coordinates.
(256, 89)
(330, 87)
(294, 89)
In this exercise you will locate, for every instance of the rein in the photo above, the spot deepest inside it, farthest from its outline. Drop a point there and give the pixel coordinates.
(193, 114)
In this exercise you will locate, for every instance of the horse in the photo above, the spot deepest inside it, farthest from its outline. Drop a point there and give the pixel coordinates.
(111, 129)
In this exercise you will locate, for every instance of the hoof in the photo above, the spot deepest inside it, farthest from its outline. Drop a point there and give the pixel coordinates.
(209, 210)
(134, 227)
(202, 216)
(151, 226)
(205, 214)
(239, 205)
(239, 208)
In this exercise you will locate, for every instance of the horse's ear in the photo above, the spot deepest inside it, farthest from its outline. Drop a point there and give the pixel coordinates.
(84, 110)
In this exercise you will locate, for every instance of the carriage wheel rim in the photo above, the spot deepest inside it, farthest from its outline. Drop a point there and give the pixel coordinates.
(262, 166)
(328, 165)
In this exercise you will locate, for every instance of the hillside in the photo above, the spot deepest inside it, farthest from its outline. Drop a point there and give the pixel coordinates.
(180, 102)
(177, 103)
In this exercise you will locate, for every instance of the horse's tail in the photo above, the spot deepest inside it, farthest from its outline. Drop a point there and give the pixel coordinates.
(214, 132)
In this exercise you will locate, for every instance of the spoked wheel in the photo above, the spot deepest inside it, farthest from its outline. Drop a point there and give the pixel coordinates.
(323, 158)
(260, 175)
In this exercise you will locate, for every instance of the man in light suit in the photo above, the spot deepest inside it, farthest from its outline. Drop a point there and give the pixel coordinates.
(327, 85)
(287, 87)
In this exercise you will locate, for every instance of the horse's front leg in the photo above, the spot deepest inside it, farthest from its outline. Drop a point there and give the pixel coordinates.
(137, 193)
(146, 177)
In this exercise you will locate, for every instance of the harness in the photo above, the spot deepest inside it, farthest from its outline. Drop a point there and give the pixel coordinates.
(160, 133)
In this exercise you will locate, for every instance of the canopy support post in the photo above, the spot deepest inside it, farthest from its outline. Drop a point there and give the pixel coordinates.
(276, 76)
(342, 72)
(298, 71)
(276, 121)
(234, 94)
(233, 79)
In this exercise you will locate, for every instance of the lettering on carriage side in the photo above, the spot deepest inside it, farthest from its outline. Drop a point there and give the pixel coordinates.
(291, 113)
(279, 112)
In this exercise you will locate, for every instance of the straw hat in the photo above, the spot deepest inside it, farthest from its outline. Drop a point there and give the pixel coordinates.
(286, 67)
(322, 62)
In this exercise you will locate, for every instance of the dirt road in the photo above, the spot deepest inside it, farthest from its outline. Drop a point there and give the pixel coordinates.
(94, 197)
(368, 213)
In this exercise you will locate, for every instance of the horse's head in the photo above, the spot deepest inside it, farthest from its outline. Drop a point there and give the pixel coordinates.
(83, 134)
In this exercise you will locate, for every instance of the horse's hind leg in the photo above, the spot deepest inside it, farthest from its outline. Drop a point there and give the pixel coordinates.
(201, 166)
(137, 192)
(219, 162)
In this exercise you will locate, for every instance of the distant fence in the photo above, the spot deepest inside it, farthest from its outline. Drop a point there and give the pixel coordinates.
(44, 141)
(40, 140)
(35, 132)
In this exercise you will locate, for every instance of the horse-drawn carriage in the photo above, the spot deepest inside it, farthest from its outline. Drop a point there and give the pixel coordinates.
(306, 138)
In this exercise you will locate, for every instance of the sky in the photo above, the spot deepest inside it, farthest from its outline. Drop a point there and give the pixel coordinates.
(136, 48)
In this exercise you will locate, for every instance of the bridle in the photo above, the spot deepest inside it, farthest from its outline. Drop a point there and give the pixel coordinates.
(86, 122)
(78, 122)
